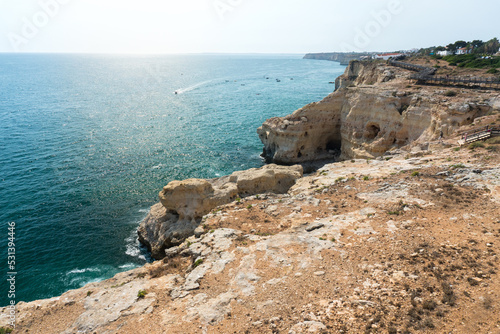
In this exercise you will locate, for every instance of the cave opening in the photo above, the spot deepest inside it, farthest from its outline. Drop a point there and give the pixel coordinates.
(333, 145)
(372, 131)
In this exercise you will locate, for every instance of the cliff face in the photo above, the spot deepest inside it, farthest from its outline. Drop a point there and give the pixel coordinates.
(374, 109)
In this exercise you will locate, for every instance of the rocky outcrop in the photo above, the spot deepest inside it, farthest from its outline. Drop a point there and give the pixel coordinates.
(184, 203)
(373, 110)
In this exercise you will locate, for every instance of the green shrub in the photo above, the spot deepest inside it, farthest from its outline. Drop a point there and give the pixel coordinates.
(4, 330)
(456, 149)
(366, 177)
(492, 71)
(142, 294)
(450, 93)
(458, 166)
(415, 173)
(197, 263)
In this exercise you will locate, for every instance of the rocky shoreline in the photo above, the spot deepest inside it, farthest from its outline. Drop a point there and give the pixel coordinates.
(184, 203)
(400, 236)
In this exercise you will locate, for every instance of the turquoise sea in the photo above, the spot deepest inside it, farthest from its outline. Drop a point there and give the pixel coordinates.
(88, 141)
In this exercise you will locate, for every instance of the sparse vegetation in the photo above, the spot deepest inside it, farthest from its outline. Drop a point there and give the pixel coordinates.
(459, 165)
(396, 213)
(197, 263)
(493, 141)
(456, 149)
(141, 294)
(4, 330)
(450, 93)
(476, 144)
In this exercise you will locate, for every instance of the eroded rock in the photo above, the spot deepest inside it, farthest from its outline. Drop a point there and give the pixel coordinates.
(184, 203)
(372, 111)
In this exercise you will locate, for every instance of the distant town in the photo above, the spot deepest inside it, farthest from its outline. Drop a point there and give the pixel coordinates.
(474, 54)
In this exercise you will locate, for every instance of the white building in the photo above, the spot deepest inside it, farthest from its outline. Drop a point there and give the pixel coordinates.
(444, 53)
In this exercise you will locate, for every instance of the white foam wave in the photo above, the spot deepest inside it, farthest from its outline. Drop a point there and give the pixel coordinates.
(81, 271)
(128, 266)
(132, 247)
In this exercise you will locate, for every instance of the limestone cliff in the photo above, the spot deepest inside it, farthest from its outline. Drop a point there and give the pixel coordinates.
(374, 109)
(184, 203)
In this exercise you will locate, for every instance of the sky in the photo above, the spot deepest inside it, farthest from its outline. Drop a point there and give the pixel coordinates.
(240, 26)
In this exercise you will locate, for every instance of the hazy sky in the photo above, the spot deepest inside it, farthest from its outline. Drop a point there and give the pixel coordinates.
(241, 26)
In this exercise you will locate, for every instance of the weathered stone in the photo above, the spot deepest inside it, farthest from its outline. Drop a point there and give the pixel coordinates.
(363, 120)
(315, 226)
(183, 203)
(307, 327)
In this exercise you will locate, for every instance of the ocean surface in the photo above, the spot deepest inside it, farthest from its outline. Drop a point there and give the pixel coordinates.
(88, 141)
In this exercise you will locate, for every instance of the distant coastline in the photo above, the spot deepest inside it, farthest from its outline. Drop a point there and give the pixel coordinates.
(342, 57)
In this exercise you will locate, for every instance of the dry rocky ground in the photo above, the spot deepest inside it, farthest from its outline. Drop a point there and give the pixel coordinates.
(406, 243)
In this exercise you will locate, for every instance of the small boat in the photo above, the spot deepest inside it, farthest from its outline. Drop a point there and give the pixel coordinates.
(176, 92)
(331, 82)
(278, 80)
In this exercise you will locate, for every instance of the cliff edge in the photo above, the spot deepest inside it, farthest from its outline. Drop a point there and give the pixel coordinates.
(374, 109)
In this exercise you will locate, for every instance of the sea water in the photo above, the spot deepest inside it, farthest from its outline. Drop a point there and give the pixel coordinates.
(88, 141)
